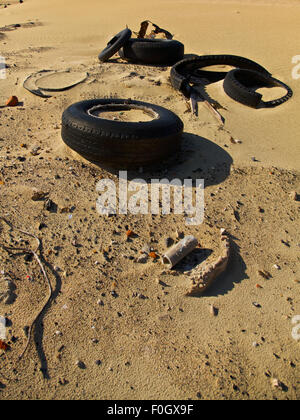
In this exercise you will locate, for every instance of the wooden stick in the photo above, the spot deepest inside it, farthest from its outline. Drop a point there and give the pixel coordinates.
(194, 99)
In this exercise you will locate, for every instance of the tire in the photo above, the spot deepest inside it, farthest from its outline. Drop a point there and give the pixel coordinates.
(241, 84)
(119, 144)
(152, 51)
(114, 45)
(182, 72)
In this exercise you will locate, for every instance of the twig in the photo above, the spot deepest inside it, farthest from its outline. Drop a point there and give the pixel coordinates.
(195, 96)
(215, 112)
(34, 253)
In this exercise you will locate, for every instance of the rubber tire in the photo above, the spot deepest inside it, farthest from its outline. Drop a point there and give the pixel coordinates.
(114, 45)
(240, 85)
(180, 77)
(152, 51)
(119, 144)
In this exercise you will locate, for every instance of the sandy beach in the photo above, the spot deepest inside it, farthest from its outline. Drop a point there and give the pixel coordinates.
(113, 328)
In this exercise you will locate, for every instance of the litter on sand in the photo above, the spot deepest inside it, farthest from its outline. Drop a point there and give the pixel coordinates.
(44, 82)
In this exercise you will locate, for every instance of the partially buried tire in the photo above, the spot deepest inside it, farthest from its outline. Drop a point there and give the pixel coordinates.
(120, 144)
(183, 71)
(241, 85)
(152, 51)
(114, 45)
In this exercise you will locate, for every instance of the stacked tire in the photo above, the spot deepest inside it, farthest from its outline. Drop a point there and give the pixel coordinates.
(163, 52)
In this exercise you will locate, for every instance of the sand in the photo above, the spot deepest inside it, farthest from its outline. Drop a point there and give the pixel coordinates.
(153, 341)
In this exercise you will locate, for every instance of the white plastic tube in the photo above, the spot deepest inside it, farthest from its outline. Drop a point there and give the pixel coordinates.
(180, 250)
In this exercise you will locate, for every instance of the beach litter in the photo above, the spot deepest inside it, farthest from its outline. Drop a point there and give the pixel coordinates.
(180, 250)
(145, 49)
(204, 276)
(157, 30)
(45, 83)
(240, 84)
(12, 101)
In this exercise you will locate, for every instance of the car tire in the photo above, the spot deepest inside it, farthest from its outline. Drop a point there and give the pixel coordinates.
(152, 51)
(114, 45)
(241, 86)
(120, 144)
(182, 72)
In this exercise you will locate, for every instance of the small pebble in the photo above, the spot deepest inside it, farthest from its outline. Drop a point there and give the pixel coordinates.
(168, 242)
(277, 384)
(143, 259)
(293, 195)
(80, 364)
(213, 310)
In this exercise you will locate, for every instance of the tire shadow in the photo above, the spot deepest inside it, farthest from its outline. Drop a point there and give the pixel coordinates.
(199, 158)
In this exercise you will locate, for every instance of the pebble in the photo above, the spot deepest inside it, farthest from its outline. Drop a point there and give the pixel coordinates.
(146, 249)
(293, 195)
(80, 364)
(179, 235)
(49, 205)
(168, 242)
(35, 151)
(7, 289)
(213, 310)
(277, 384)
(38, 195)
(63, 382)
(143, 259)
(264, 274)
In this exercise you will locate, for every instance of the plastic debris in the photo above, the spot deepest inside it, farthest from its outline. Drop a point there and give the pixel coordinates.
(180, 250)
(157, 30)
(12, 101)
(44, 82)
